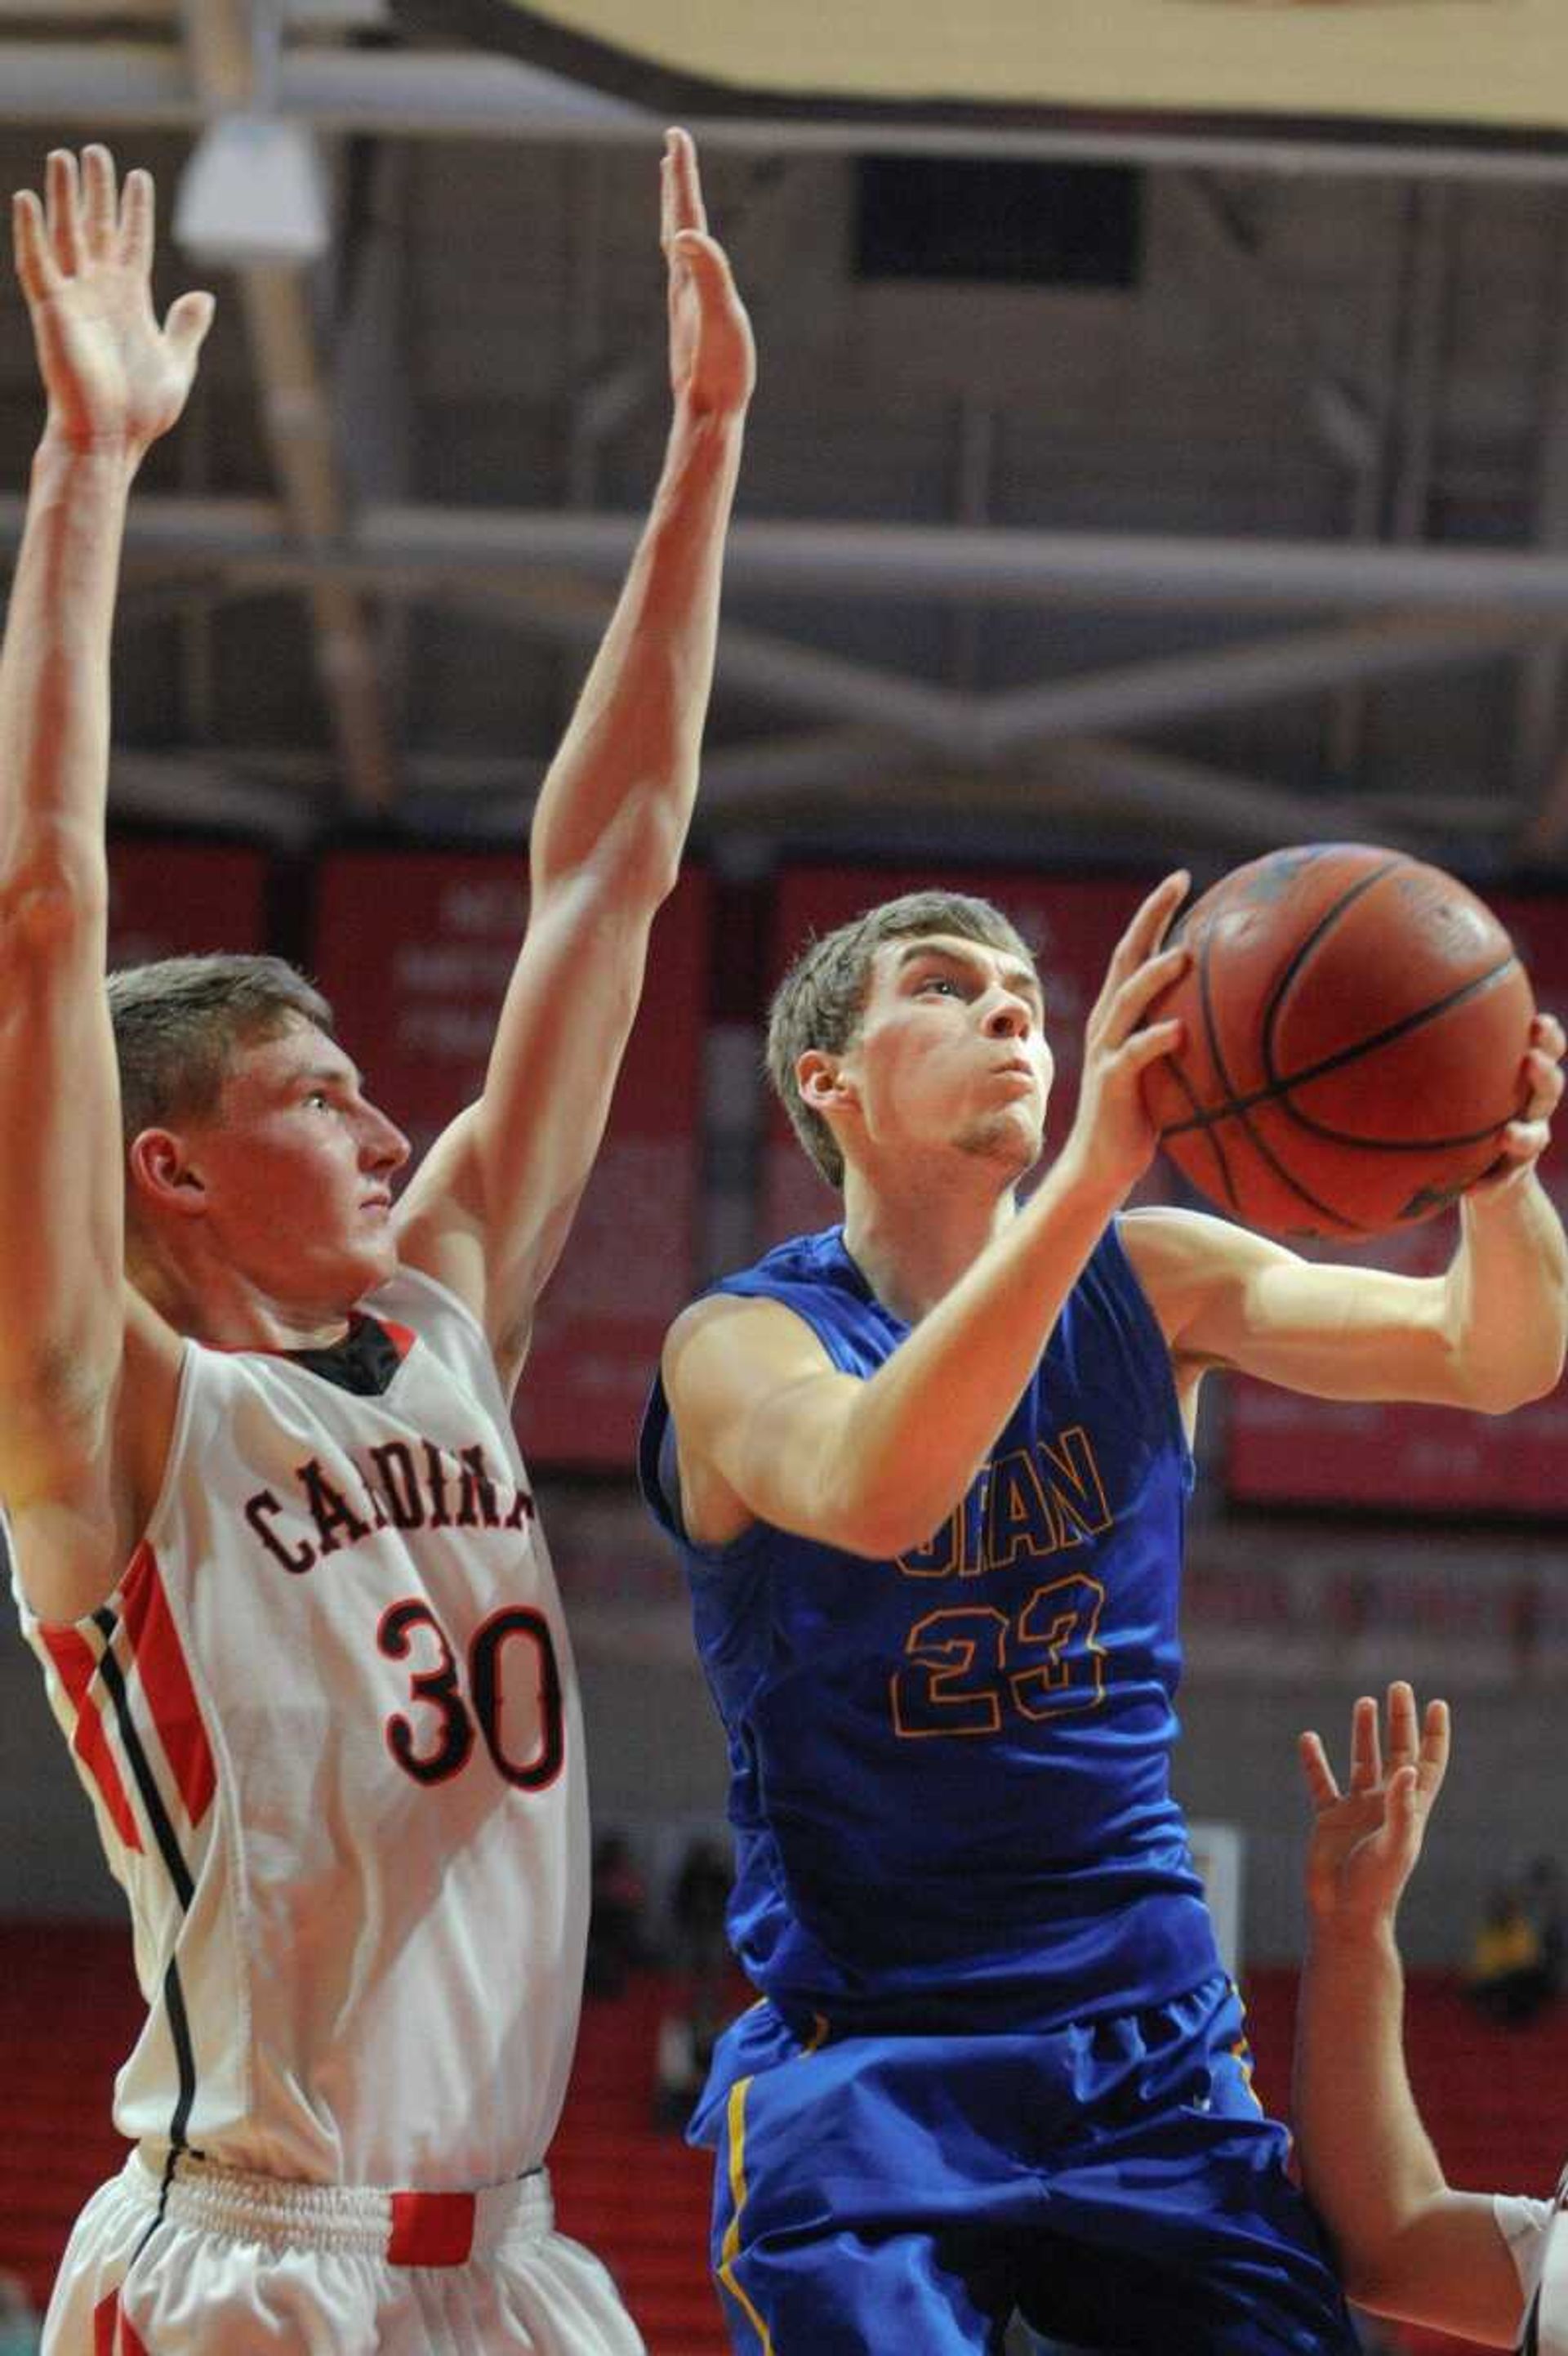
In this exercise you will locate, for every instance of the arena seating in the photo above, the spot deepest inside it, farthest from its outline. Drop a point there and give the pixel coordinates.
(68, 2010)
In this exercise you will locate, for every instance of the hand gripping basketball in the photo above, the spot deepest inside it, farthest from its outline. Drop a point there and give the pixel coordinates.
(1357, 1027)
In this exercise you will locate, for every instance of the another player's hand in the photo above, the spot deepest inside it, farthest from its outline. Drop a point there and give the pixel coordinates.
(712, 359)
(1366, 1840)
(115, 379)
(1526, 1140)
(1112, 1129)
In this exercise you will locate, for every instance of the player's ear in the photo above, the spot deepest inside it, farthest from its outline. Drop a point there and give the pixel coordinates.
(820, 1080)
(162, 1175)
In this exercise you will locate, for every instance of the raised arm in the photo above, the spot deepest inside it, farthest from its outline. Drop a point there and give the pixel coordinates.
(114, 381)
(489, 1212)
(769, 1431)
(1407, 2244)
(1489, 1333)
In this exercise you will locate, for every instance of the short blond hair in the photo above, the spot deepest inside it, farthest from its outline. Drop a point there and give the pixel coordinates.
(178, 1022)
(821, 999)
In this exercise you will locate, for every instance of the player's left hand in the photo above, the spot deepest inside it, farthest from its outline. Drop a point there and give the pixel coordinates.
(1524, 1140)
(1366, 1840)
(115, 378)
(712, 359)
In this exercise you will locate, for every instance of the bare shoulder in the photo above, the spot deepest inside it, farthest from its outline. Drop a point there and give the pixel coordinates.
(728, 1363)
(1179, 1256)
(731, 1340)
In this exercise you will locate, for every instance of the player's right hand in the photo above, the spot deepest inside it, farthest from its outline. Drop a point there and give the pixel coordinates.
(1366, 1840)
(115, 379)
(712, 356)
(1112, 1130)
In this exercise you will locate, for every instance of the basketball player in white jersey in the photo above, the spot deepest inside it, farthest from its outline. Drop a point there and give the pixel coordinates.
(1488, 2268)
(274, 1544)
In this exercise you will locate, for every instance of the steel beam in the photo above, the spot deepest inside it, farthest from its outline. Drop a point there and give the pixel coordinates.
(429, 548)
(438, 94)
(1312, 662)
(781, 671)
(1193, 802)
(916, 562)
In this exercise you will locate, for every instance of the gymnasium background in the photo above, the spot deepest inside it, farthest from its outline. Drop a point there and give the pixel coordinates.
(1162, 454)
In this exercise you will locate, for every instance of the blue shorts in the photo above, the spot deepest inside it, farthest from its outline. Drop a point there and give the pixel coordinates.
(1115, 2183)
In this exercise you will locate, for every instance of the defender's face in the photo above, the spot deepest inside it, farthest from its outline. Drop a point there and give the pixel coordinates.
(297, 1166)
(951, 1053)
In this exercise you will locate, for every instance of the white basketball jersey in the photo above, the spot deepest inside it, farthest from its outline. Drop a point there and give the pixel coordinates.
(1534, 2232)
(329, 1725)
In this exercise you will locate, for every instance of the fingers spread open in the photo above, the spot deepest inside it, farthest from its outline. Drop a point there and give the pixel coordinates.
(1433, 1761)
(63, 202)
(1401, 1737)
(186, 325)
(1320, 1784)
(137, 221)
(1366, 1756)
(1153, 915)
(101, 204)
(29, 240)
(1142, 937)
(1135, 992)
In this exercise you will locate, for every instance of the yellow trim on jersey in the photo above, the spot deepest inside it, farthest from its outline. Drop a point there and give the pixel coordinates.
(735, 2126)
(1241, 2050)
(735, 2120)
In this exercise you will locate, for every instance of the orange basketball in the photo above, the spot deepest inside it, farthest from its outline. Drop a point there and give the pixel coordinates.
(1355, 1027)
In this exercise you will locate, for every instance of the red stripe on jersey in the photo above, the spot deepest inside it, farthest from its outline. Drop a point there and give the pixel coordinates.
(431, 2229)
(112, 2335)
(402, 1337)
(76, 1664)
(165, 1681)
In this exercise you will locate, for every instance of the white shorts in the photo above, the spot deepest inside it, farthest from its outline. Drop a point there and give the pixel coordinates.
(245, 2265)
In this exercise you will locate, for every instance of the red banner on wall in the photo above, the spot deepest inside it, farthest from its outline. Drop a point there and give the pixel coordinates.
(415, 949)
(1071, 923)
(182, 899)
(1284, 1448)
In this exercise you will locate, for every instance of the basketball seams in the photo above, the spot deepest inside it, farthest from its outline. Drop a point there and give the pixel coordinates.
(1198, 1125)
(1278, 1090)
(1300, 955)
(1236, 1106)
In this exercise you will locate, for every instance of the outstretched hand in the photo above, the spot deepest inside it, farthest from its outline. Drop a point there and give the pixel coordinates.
(712, 360)
(1366, 1840)
(115, 379)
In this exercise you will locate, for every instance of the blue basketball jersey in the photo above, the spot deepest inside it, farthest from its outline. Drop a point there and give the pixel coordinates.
(950, 1773)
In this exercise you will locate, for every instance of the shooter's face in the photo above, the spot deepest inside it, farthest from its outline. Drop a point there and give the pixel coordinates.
(950, 1056)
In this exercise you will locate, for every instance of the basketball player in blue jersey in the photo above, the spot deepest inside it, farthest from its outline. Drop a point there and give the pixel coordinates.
(928, 1474)
(274, 1543)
